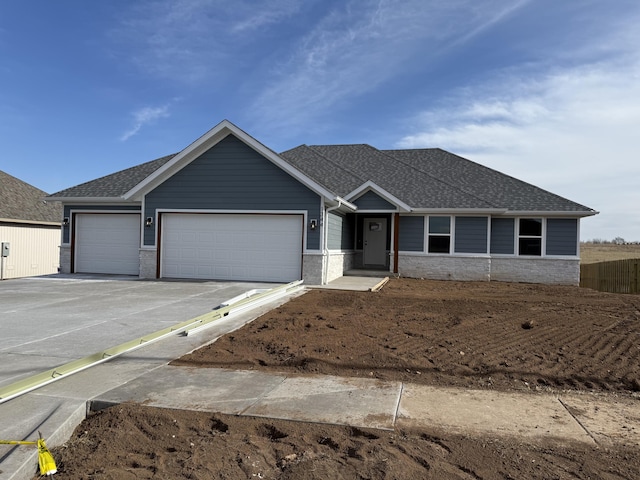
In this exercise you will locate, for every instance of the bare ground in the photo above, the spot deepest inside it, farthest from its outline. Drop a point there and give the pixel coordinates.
(496, 336)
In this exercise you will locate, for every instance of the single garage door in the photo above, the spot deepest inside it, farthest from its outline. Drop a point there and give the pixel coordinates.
(232, 247)
(107, 243)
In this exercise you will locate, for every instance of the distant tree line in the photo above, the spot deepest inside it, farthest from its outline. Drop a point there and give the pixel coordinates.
(615, 241)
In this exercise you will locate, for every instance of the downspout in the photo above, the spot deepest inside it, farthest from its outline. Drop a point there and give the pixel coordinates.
(325, 241)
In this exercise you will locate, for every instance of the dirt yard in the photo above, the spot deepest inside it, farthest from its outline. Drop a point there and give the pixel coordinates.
(477, 335)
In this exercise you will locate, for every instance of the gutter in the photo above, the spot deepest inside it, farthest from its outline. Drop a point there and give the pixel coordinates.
(325, 234)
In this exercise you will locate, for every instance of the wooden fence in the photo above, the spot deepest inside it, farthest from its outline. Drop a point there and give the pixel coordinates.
(619, 276)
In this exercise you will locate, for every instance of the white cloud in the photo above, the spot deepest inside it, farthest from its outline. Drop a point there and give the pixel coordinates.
(252, 17)
(145, 116)
(191, 41)
(571, 130)
(362, 45)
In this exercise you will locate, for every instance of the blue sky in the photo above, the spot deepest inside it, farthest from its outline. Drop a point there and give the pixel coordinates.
(543, 90)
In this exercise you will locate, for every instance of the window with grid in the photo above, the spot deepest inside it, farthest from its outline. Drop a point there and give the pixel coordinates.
(530, 237)
(439, 235)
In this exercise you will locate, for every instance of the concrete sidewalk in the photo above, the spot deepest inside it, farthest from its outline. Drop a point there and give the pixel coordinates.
(594, 419)
(58, 408)
(602, 420)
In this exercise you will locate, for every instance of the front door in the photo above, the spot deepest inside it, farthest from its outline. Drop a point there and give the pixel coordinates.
(375, 242)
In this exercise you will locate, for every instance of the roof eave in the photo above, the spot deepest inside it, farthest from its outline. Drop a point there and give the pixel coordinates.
(30, 222)
(555, 213)
(68, 200)
(467, 211)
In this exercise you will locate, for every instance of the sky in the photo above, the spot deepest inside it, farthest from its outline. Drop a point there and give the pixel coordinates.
(546, 91)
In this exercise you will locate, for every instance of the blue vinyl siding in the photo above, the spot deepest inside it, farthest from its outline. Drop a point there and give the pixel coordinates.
(372, 201)
(411, 234)
(233, 176)
(340, 235)
(66, 231)
(471, 235)
(562, 236)
(502, 236)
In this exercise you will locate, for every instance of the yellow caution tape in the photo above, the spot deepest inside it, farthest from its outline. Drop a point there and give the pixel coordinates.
(46, 461)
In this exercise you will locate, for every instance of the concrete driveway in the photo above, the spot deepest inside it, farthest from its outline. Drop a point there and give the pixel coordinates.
(49, 321)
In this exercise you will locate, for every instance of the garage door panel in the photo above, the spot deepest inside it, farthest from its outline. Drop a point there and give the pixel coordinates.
(232, 247)
(107, 243)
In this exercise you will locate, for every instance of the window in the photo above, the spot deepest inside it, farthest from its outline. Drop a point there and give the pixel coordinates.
(530, 237)
(471, 235)
(503, 236)
(439, 235)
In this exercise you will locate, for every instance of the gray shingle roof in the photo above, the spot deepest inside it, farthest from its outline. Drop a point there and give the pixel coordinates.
(502, 191)
(116, 184)
(422, 178)
(23, 202)
(363, 162)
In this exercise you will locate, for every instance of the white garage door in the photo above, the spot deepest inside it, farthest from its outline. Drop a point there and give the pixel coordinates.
(232, 247)
(107, 243)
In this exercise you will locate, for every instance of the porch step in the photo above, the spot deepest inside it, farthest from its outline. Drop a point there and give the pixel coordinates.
(368, 273)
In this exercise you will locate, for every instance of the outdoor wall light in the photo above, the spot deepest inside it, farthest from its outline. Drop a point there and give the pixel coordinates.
(65, 222)
(313, 224)
(149, 221)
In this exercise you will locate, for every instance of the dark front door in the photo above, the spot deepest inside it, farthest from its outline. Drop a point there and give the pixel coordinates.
(375, 242)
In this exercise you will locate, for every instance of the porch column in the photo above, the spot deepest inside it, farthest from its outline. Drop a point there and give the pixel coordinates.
(396, 236)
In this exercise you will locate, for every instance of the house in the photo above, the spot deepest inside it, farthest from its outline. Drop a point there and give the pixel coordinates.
(29, 230)
(228, 207)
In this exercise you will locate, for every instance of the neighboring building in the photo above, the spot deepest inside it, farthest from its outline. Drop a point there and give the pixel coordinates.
(228, 207)
(31, 228)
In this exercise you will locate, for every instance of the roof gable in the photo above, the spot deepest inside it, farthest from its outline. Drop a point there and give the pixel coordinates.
(133, 183)
(209, 140)
(370, 195)
(22, 202)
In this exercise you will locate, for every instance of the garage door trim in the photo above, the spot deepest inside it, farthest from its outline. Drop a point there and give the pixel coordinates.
(287, 225)
(74, 230)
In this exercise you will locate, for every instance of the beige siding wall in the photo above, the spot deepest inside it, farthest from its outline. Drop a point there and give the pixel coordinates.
(34, 250)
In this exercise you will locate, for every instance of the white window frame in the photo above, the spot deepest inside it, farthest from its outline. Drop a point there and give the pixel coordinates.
(448, 235)
(542, 237)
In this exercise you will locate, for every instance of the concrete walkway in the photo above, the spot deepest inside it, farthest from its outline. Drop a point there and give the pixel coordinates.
(599, 420)
(144, 376)
(384, 405)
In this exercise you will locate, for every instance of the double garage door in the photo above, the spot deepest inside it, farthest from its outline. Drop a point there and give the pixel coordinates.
(196, 246)
(231, 247)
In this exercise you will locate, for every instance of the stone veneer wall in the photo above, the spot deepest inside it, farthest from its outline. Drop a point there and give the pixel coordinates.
(312, 268)
(444, 267)
(536, 270)
(512, 269)
(338, 263)
(148, 262)
(65, 259)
